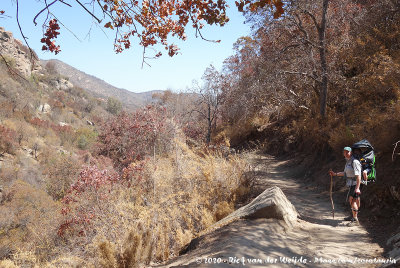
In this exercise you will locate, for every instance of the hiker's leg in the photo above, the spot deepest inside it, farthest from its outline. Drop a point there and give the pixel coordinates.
(351, 193)
(350, 201)
(353, 203)
(354, 210)
(355, 207)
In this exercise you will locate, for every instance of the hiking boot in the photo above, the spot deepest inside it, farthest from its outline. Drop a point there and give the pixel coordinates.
(353, 222)
(349, 218)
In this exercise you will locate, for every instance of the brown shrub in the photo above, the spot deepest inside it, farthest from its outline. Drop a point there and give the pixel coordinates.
(28, 219)
(222, 210)
(61, 171)
(8, 140)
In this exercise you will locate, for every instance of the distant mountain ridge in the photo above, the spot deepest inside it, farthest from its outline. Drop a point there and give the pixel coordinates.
(101, 88)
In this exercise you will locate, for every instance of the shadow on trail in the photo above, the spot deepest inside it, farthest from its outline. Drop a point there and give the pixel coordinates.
(330, 222)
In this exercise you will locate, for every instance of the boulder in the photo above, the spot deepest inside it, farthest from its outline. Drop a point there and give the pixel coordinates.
(395, 193)
(43, 85)
(272, 203)
(62, 84)
(4, 35)
(65, 85)
(394, 241)
(44, 108)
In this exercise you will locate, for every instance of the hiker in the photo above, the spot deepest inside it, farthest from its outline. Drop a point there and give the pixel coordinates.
(352, 172)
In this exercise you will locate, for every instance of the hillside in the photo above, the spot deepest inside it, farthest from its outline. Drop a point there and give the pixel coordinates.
(251, 166)
(80, 178)
(99, 87)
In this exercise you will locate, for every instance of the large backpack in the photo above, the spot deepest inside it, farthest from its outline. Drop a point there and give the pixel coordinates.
(367, 158)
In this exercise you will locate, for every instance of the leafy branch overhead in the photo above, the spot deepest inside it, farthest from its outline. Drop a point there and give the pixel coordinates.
(151, 22)
(253, 6)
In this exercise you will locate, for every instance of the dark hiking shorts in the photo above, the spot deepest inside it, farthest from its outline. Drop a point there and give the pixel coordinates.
(353, 191)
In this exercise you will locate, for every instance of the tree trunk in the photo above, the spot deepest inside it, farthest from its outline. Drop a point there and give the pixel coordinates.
(322, 53)
(208, 138)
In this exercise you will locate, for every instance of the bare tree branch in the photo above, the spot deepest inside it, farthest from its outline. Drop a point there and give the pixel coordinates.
(283, 50)
(143, 58)
(198, 31)
(305, 74)
(24, 37)
(71, 32)
(299, 24)
(200, 112)
(313, 19)
(41, 11)
(88, 11)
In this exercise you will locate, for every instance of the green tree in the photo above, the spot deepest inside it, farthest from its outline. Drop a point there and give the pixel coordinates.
(114, 106)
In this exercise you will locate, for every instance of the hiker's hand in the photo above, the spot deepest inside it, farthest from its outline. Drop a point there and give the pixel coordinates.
(358, 191)
(332, 173)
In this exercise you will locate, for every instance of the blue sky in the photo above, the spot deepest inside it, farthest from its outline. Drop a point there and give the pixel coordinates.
(94, 53)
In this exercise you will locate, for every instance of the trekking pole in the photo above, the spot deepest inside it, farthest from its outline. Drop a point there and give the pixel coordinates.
(330, 194)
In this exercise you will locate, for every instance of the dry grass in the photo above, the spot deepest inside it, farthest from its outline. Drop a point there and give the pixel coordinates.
(171, 200)
(28, 219)
(174, 198)
(189, 193)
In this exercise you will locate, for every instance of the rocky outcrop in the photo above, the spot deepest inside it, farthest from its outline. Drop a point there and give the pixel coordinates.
(62, 84)
(18, 55)
(44, 108)
(394, 243)
(395, 192)
(63, 124)
(272, 203)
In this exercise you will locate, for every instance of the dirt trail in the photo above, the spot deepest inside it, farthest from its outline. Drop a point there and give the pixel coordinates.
(316, 241)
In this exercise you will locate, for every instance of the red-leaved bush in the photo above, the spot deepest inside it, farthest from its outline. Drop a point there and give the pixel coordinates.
(82, 203)
(40, 123)
(130, 137)
(135, 175)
